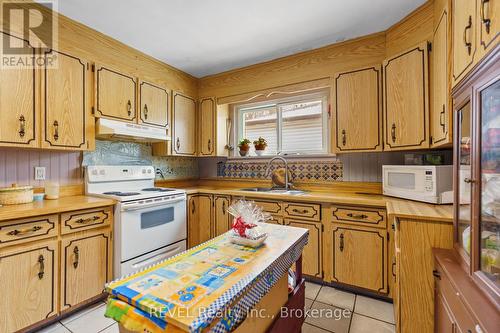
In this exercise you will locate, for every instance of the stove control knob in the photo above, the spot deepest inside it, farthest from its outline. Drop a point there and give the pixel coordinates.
(94, 172)
(143, 170)
(149, 170)
(102, 172)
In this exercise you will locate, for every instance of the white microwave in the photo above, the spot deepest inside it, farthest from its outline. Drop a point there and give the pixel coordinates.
(427, 183)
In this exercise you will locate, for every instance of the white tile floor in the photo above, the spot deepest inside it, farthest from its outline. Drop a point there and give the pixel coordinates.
(369, 315)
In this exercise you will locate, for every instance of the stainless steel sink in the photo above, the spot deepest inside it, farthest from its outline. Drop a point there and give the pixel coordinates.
(273, 190)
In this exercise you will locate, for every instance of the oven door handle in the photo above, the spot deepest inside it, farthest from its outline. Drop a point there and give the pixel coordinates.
(153, 204)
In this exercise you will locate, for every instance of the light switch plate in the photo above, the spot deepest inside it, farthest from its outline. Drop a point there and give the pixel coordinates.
(39, 173)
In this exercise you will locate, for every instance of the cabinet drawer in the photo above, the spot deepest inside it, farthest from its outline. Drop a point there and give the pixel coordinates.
(273, 207)
(302, 211)
(360, 216)
(86, 219)
(30, 229)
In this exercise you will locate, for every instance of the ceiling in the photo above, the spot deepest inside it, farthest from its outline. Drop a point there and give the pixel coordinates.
(203, 37)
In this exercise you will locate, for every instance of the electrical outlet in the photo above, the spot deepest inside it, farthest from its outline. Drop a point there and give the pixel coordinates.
(39, 173)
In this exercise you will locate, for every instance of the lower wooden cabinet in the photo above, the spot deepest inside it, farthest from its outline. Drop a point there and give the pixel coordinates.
(85, 266)
(222, 219)
(444, 320)
(29, 283)
(352, 263)
(312, 263)
(199, 218)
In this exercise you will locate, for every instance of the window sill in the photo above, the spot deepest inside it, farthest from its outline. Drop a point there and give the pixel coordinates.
(288, 157)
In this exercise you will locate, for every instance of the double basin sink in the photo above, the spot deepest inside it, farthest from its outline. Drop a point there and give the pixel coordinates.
(273, 190)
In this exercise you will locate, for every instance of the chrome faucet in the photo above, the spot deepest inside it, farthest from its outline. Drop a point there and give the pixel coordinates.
(268, 168)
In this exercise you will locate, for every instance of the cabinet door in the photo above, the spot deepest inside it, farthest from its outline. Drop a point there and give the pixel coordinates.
(489, 12)
(312, 255)
(207, 127)
(29, 285)
(19, 87)
(358, 110)
(67, 118)
(199, 219)
(184, 125)
(116, 95)
(444, 320)
(440, 118)
(85, 266)
(353, 264)
(222, 219)
(406, 100)
(464, 36)
(154, 104)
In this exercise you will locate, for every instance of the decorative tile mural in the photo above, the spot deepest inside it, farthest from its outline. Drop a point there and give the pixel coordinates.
(301, 170)
(130, 153)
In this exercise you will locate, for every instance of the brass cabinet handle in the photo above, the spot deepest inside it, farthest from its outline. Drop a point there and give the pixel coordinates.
(77, 256)
(486, 21)
(344, 137)
(393, 132)
(467, 44)
(56, 130)
(21, 232)
(178, 143)
(357, 216)
(468, 180)
(193, 207)
(341, 246)
(129, 107)
(209, 146)
(303, 211)
(145, 111)
(90, 219)
(41, 263)
(22, 126)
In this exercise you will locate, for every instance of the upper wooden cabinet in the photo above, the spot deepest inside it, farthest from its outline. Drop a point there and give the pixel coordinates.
(154, 104)
(464, 36)
(115, 94)
(440, 118)
(183, 125)
(19, 96)
(358, 110)
(66, 95)
(489, 16)
(406, 100)
(207, 127)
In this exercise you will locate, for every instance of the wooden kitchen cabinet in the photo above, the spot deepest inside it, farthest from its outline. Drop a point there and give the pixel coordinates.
(29, 283)
(358, 110)
(19, 102)
(464, 36)
(86, 266)
(154, 104)
(444, 320)
(222, 219)
(488, 25)
(67, 104)
(350, 262)
(312, 261)
(115, 94)
(207, 126)
(200, 226)
(183, 125)
(406, 100)
(440, 116)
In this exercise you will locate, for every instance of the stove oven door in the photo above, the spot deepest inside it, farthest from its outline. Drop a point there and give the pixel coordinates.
(147, 227)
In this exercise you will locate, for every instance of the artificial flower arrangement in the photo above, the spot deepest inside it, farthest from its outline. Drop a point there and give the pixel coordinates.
(247, 223)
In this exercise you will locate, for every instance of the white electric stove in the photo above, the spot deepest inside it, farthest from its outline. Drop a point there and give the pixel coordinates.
(149, 222)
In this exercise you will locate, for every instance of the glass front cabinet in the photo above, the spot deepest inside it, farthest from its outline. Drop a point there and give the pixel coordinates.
(476, 104)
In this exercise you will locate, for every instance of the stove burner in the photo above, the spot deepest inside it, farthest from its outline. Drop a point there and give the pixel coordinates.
(122, 194)
(156, 189)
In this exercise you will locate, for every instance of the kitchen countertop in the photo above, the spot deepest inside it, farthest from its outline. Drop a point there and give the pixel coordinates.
(395, 207)
(45, 207)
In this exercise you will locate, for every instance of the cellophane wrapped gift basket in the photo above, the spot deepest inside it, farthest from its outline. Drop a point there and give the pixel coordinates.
(247, 223)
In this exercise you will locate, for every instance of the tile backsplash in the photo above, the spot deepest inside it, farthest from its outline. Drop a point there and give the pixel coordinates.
(130, 153)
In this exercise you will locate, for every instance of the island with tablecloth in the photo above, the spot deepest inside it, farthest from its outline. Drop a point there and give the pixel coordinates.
(217, 286)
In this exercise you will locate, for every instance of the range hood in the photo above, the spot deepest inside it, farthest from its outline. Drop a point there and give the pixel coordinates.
(119, 130)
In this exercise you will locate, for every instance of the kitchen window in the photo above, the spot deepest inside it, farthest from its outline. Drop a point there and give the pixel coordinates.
(296, 125)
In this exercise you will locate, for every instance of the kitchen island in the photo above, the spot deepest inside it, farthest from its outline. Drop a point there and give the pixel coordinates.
(217, 286)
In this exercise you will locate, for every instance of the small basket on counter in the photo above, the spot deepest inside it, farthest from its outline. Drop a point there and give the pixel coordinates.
(247, 224)
(16, 195)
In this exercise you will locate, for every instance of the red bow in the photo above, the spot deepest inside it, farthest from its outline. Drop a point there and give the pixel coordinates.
(241, 226)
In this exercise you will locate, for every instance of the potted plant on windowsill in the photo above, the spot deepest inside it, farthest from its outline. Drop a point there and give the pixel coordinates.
(244, 146)
(260, 146)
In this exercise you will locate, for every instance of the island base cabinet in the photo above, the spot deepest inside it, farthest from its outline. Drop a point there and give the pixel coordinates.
(29, 285)
(311, 256)
(85, 266)
(350, 263)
